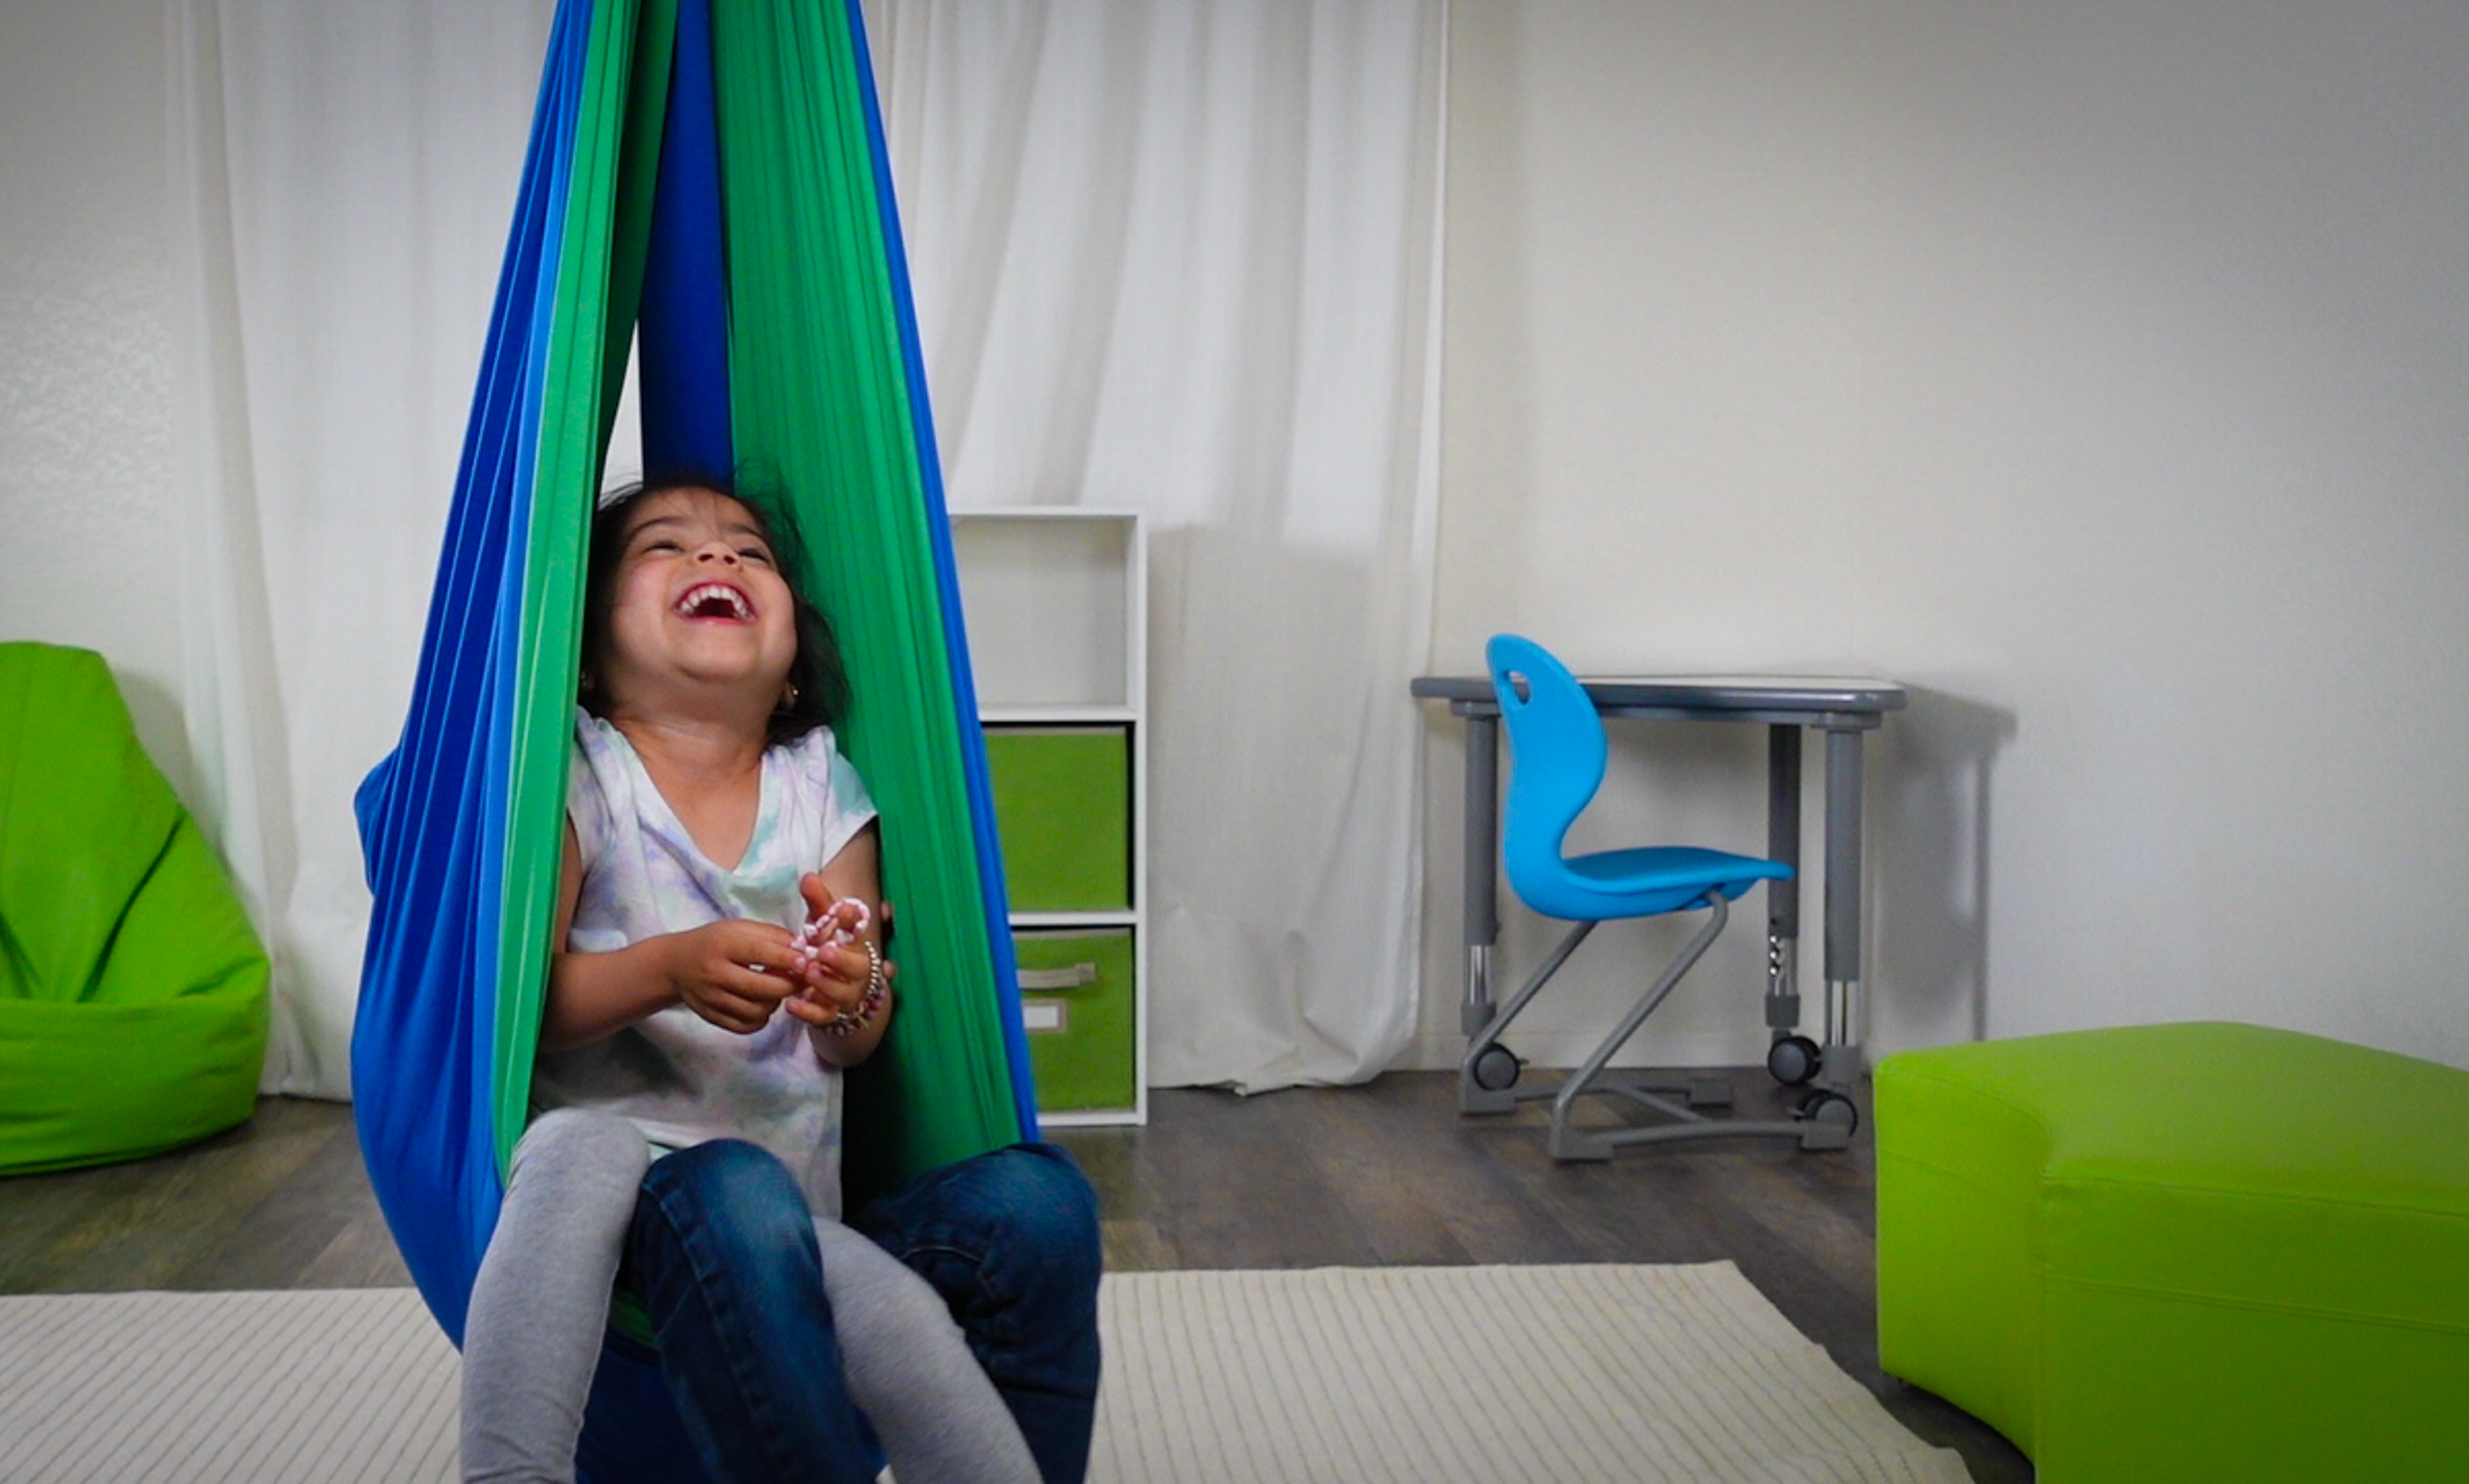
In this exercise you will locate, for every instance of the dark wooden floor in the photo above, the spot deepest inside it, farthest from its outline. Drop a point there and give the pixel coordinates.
(1384, 1174)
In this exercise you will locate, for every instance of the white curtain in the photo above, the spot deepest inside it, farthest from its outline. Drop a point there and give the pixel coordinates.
(1184, 259)
(342, 180)
(1177, 256)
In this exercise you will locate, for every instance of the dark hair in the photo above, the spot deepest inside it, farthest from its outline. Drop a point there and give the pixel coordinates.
(817, 678)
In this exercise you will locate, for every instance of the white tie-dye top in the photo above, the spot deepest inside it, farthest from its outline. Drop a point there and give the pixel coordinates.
(678, 1078)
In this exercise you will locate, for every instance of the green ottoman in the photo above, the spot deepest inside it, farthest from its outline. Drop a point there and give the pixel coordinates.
(2182, 1252)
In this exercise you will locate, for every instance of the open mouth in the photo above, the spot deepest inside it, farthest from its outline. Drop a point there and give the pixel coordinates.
(717, 601)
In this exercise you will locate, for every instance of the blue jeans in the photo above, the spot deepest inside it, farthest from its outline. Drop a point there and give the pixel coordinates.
(722, 1249)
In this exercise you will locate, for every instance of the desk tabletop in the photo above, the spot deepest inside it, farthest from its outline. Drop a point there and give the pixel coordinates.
(1697, 694)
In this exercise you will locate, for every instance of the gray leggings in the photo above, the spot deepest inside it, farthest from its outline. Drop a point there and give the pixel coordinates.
(531, 1338)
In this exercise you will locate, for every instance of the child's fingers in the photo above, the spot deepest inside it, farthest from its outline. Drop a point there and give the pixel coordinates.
(756, 945)
(746, 947)
(843, 965)
(822, 904)
(827, 976)
(742, 997)
(732, 1012)
(836, 927)
(823, 1003)
(761, 983)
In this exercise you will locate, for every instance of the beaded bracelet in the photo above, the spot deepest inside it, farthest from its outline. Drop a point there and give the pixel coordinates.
(848, 1022)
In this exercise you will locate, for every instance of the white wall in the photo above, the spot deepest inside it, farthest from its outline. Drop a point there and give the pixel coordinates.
(2098, 369)
(85, 385)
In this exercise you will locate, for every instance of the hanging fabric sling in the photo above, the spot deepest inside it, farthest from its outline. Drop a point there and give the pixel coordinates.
(713, 177)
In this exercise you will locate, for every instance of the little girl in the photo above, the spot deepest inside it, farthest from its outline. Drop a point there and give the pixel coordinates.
(715, 970)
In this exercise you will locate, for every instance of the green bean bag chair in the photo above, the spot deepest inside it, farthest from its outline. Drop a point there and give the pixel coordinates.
(132, 988)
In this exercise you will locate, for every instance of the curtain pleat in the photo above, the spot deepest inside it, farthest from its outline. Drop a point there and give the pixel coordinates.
(1185, 259)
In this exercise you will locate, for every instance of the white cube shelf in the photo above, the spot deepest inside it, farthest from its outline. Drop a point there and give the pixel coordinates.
(1055, 601)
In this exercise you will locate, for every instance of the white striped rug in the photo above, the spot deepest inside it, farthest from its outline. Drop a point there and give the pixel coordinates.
(1570, 1375)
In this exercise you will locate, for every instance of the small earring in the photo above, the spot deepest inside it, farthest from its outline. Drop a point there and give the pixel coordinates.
(788, 696)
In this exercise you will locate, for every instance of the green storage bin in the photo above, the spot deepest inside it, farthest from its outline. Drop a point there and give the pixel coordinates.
(1076, 999)
(1063, 816)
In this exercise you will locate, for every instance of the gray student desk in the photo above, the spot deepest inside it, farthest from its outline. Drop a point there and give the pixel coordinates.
(1786, 705)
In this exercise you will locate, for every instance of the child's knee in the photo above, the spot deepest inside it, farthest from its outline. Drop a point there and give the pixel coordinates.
(1031, 1203)
(741, 1191)
(1044, 1198)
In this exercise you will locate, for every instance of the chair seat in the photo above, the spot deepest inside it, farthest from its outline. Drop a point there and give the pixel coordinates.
(1646, 881)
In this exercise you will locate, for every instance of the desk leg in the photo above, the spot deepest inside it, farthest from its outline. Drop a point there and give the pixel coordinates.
(1782, 898)
(1843, 1021)
(1482, 866)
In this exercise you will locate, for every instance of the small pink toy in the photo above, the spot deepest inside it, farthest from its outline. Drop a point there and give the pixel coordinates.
(809, 943)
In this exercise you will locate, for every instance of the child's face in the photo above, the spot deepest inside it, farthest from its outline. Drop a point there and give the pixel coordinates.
(697, 602)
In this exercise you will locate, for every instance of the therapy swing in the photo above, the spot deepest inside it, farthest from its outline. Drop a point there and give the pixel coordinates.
(716, 173)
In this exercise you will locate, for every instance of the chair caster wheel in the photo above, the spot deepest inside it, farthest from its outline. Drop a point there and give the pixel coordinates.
(1496, 1069)
(1793, 1059)
(1828, 1106)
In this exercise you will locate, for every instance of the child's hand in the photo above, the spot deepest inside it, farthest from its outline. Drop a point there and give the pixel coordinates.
(836, 985)
(831, 959)
(833, 956)
(733, 974)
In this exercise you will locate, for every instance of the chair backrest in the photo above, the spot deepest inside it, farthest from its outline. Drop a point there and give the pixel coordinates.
(1557, 761)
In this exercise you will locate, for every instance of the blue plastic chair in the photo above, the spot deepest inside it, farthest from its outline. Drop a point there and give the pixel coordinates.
(1558, 753)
